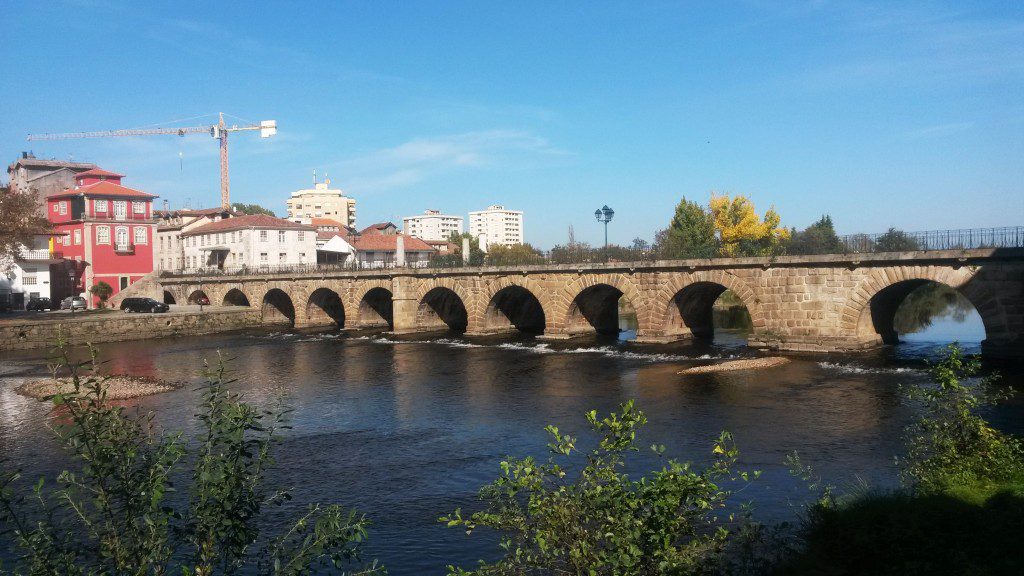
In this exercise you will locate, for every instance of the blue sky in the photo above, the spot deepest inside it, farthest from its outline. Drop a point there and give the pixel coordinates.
(881, 115)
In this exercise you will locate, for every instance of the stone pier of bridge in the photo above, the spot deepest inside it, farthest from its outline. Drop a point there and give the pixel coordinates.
(796, 303)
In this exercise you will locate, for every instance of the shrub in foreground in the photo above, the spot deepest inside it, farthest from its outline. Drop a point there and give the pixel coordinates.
(117, 511)
(563, 516)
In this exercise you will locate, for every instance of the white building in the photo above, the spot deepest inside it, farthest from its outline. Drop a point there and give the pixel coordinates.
(432, 226)
(249, 241)
(496, 225)
(322, 201)
(29, 276)
(171, 224)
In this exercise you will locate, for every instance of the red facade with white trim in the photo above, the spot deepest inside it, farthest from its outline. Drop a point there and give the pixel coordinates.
(107, 229)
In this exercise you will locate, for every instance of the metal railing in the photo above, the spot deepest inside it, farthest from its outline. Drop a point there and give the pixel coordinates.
(40, 254)
(963, 239)
(892, 241)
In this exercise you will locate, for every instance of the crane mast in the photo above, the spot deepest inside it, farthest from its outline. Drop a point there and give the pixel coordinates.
(220, 131)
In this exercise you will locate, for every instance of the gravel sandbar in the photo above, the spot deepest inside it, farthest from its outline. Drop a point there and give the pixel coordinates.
(745, 364)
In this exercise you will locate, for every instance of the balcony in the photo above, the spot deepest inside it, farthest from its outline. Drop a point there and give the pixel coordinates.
(124, 249)
(40, 254)
(109, 216)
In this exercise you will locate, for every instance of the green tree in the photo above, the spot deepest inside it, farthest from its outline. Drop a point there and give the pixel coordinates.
(514, 255)
(896, 241)
(454, 259)
(566, 516)
(20, 221)
(950, 445)
(101, 290)
(690, 234)
(573, 252)
(112, 513)
(818, 238)
(252, 209)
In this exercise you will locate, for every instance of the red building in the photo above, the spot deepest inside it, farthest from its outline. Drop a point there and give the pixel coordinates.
(107, 230)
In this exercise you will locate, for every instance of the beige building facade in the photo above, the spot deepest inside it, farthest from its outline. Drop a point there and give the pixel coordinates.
(496, 225)
(322, 201)
(432, 226)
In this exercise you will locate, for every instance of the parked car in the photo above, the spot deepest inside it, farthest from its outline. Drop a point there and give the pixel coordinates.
(39, 304)
(143, 305)
(201, 300)
(73, 303)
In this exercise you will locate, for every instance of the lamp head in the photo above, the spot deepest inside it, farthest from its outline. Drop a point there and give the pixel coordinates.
(608, 213)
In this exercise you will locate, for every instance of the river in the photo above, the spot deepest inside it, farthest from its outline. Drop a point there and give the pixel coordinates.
(408, 430)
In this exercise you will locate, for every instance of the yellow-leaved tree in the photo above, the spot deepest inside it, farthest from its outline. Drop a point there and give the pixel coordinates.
(742, 232)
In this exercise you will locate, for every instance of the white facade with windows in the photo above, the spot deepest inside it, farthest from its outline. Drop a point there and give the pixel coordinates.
(29, 276)
(496, 225)
(237, 243)
(432, 226)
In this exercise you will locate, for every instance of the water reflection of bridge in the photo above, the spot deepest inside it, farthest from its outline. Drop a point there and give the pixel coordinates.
(801, 303)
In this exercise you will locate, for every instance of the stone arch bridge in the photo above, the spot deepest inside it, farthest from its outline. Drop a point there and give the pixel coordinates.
(797, 303)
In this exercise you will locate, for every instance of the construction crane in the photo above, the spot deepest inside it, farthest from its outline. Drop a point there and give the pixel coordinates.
(220, 131)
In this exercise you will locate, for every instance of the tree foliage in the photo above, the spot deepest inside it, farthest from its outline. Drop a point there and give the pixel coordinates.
(563, 516)
(515, 255)
(742, 232)
(896, 241)
(818, 238)
(19, 222)
(951, 445)
(252, 209)
(115, 511)
(101, 290)
(454, 258)
(690, 234)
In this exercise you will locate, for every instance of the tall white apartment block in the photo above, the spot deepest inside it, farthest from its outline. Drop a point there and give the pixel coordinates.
(432, 226)
(496, 225)
(322, 201)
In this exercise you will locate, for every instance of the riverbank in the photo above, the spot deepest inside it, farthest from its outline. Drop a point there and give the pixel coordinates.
(31, 332)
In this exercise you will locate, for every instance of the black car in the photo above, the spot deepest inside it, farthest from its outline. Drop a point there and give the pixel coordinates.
(143, 305)
(39, 304)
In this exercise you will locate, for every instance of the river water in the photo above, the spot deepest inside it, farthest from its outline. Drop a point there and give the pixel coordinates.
(408, 430)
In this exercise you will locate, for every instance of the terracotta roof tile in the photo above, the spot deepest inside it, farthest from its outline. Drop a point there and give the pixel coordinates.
(249, 221)
(104, 188)
(386, 243)
(98, 173)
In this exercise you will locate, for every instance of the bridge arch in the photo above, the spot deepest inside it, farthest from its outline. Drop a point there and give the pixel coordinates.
(870, 311)
(235, 297)
(195, 296)
(688, 302)
(442, 308)
(591, 302)
(324, 307)
(278, 308)
(169, 297)
(513, 306)
(376, 308)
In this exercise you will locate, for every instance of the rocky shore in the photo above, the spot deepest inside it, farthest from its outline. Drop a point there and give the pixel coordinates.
(119, 387)
(745, 364)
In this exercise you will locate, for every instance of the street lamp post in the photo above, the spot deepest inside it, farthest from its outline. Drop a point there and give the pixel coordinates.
(604, 215)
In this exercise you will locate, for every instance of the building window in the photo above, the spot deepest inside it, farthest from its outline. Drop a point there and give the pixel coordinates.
(140, 235)
(78, 237)
(282, 257)
(263, 257)
(121, 238)
(100, 206)
(29, 277)
(56, 206)
(103, 234)
(124, 282)
(120, 209)
(263, 235)
(280, 236)
(139, 207)
(63, 207)
(302, 236)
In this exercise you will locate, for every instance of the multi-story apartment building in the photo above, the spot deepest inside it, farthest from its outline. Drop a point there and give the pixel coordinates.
(171, 224)
(105, 228)
(249, 241)
(44, 177)
(322, 201)
(432, 226)
(496, 225)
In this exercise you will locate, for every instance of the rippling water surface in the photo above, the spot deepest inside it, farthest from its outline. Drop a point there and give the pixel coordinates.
(408, 430)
